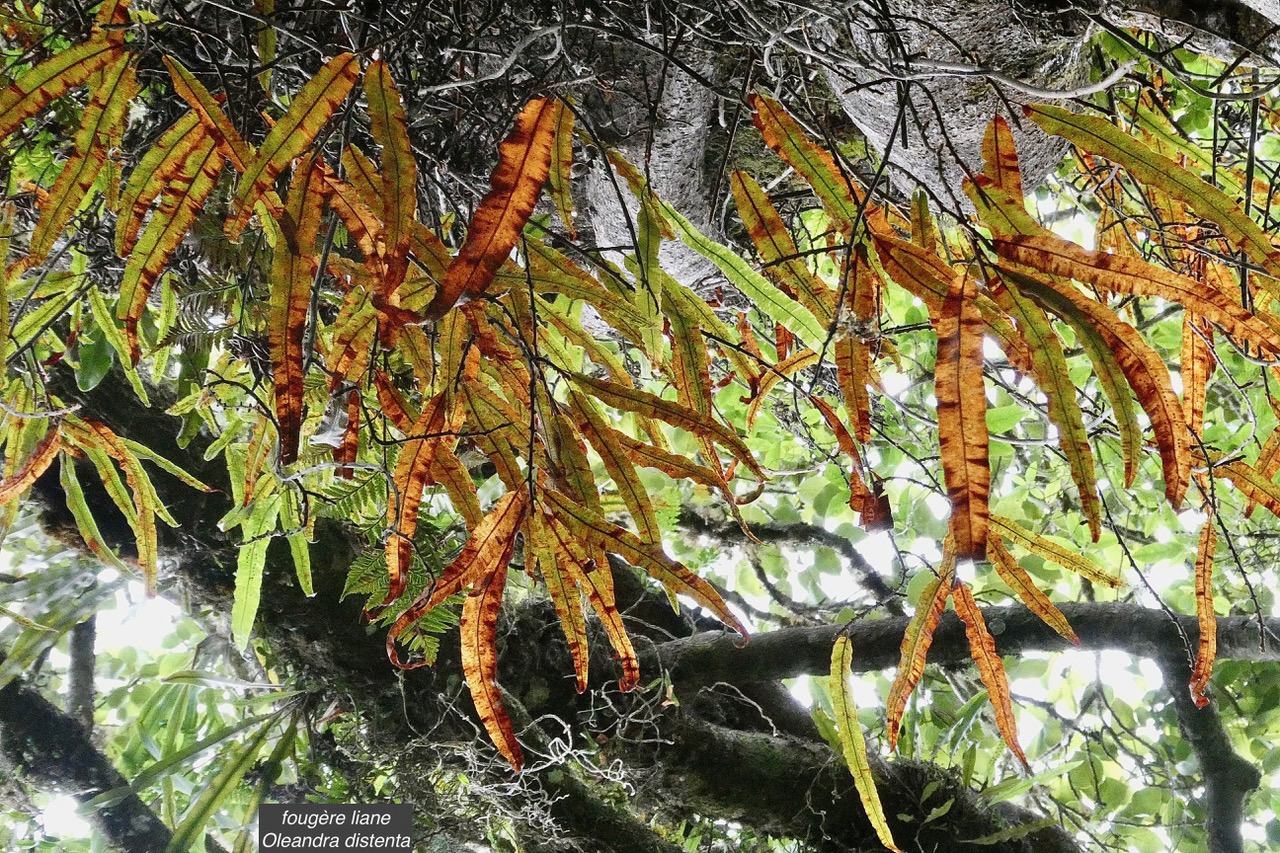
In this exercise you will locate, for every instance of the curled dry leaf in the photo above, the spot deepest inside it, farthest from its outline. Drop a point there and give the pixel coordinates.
(1052, 373)
(1204, 613)
(916, 641)
(292, 134)
(54, 77)
(46, 450)
(814, 163)
(1000, 157)
(1028, 593)
(487, 552)
(1100, 137)
(293, 270)
(437, 424)
(594, 575)
(524, 161)
(1120, 274)
(982, 647)
(588, 526)
(399, 185)
(1053, 552)
(962, 418)
(478, 630)
(1143, 370)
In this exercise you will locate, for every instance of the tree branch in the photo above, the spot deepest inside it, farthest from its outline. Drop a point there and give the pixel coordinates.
(324, 638)
(81, 671)
(798, 534)
(52, 750)
(713, 656)
(719, 657)
(798, 789)
(1221, 28)
(1228, 778)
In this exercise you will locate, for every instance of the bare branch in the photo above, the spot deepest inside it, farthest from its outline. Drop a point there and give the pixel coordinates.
(710, 657)
(1228, 778)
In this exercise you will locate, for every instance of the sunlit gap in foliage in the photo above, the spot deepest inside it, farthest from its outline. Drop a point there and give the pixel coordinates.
(61, 818)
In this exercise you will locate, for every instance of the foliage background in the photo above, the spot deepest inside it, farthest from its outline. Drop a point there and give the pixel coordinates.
(204, 732)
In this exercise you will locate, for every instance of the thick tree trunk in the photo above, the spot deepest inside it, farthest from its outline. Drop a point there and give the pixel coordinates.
(923, 79)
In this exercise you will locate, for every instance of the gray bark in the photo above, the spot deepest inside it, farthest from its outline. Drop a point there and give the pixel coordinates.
(914, 83)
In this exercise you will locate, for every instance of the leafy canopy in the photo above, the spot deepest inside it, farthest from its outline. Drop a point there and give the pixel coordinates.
(398, 354)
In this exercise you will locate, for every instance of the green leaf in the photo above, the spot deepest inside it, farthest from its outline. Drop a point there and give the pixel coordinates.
(1013, 833)
(1051, 372)
(1016, 786)
(1101, 137)
(144, 452)
(815, 164)
(765, 295)
(853, 744)
(1155, 551)
(95, 357)
(172, 761)
(221, 786)
(939, 811)
(84, 518)
(249, 568)
(296, 534)
(1004, 418)
(36, 322)
(64, 613)
(111, 334)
